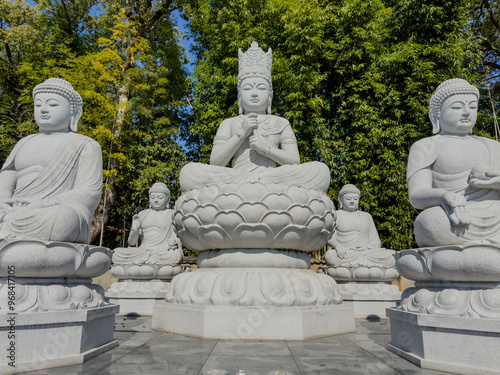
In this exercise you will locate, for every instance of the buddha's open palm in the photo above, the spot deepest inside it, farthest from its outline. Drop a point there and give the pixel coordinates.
(491, 180)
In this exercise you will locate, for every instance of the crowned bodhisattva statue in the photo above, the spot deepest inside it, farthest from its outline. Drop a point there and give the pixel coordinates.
(153, 258)
(454, 178)
(244, 221)
(50, 186)
(266, 186)
(357, 260)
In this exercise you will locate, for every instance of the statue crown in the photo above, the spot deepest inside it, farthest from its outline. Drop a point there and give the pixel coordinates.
(255, 63)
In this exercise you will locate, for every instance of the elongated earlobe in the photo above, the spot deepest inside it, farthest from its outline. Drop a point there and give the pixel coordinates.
(73, 126)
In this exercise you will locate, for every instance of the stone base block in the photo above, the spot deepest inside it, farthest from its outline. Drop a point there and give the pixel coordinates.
(370, 309)
(461, 345)
(39, 340)
(253, 322)
(135, 303)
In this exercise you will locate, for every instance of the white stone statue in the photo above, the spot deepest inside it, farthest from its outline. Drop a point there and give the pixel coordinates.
(159, 245)
(455, 176)
(245, 220)
(50, 184)
(357, 260)
(355, 240)
(255, 141)
(223, 207)
(154, 257)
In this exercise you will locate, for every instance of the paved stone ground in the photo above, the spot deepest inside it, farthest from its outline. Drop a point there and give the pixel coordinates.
(145, 351)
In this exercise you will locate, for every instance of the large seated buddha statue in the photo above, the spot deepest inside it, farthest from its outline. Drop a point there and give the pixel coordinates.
(50, 186)
(454, 178)
(266, 192)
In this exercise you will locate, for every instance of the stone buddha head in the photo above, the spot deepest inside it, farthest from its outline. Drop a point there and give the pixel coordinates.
(349, 198)
(453, 107)
(159, 196)
(58, 107)
(255, 88)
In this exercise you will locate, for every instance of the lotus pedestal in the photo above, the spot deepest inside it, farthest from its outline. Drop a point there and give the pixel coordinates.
(50, 312)
(450, 321)
(260, 301)
(368, 289)
(140, 286)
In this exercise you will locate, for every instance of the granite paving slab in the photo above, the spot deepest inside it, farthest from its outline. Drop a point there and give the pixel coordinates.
(146, 351)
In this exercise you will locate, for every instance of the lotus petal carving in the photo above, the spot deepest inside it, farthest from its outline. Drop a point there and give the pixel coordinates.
(253, 215)
(253, 287)
(34, 258)
(474, 262)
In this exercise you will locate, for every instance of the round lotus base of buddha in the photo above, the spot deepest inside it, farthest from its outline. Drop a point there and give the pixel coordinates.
(146, 271)
(46, 294)
(34, 258)
(361, 273)
(254, 215)
(253, 287)
(473, 262)
(476, 300)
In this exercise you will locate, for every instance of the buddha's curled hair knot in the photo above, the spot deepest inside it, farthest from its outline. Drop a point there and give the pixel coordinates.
(453, 86)
(62, 87)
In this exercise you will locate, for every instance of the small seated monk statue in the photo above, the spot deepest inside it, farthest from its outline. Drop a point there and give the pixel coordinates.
(255, 141)
(50, 185)
(453, 176)
(355, 241)
(154, 229)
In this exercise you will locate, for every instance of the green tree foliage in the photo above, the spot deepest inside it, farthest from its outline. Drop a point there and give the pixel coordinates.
(125, 59)
(485, 23)
(18, 39)
(353, 77)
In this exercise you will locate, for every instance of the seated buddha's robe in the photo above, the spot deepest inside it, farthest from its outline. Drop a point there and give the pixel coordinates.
(71, 181)
(433, 226)
(159, 244)
(359, 245)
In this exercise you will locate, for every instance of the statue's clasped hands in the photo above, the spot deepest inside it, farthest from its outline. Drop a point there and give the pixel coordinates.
(249, 123)
(455, 206)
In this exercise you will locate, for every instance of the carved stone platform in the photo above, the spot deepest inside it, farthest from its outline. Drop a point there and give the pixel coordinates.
(460, 345)
(50, 312)
(137, 297)
(253, 322)
(253, 302)
(370, 299)
(55, 338)
(450, 320)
